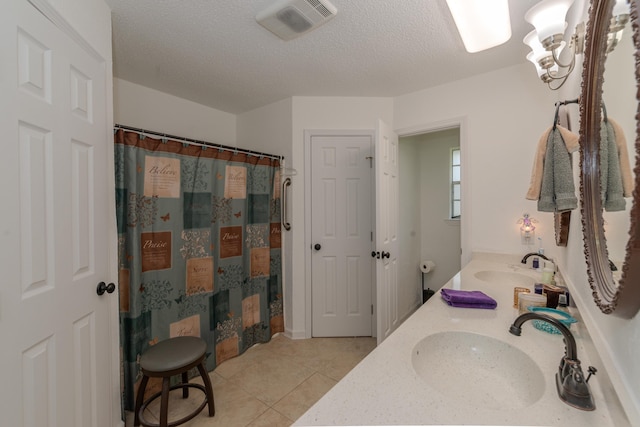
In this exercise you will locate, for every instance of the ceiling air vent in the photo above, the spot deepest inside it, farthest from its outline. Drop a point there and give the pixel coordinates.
(289, 19)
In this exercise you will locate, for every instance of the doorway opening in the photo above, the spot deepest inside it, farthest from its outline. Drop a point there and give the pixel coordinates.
(430, 214)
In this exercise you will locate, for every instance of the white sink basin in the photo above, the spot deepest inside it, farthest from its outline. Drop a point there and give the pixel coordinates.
(479, 371)
(506, 278)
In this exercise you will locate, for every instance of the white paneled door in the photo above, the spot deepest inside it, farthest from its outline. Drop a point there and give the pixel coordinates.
(387, 219)
(55, 354)
(341, 235)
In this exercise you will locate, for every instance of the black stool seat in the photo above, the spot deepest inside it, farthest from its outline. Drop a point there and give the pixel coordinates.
(175, 356)
(172, 354)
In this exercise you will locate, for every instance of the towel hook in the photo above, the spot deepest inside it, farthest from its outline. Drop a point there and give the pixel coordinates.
(556, 118)
(557, 115)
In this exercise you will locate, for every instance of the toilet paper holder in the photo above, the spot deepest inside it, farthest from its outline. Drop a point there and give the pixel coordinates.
(426, 266)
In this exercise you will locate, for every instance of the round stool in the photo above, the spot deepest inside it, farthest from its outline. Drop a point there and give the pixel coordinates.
(164, 360)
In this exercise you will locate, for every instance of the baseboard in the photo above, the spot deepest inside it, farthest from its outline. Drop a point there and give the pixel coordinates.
(295, 335)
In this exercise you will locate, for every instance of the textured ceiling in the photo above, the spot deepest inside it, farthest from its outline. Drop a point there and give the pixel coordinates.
(213, 52)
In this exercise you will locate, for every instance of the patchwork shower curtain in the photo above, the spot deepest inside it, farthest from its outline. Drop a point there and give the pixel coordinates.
(199, 248)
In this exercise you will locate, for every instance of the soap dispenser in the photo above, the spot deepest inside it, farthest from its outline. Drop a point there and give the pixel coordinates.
(536, 260)
(535, 263)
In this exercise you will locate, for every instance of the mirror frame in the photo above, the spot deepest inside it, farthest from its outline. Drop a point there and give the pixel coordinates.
(562, 221)
(621, 299)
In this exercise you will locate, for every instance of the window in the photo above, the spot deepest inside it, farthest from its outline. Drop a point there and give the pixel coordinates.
(455, 183)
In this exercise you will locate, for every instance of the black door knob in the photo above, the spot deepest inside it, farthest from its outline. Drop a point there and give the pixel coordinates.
(317, 246)
(103, 287)
(385, 255)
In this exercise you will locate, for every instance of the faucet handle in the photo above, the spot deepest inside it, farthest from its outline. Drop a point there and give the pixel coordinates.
(592, 371)
(572, 387)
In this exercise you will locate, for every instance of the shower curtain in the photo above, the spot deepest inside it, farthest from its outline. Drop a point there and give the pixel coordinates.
(199, 249)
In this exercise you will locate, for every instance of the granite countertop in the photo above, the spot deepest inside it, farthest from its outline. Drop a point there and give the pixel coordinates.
(385, 389)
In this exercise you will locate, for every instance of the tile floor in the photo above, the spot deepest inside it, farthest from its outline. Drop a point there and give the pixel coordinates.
(271, 384)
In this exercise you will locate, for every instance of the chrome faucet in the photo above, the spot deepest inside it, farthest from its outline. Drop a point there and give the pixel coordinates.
(526, 257)
(572, 387)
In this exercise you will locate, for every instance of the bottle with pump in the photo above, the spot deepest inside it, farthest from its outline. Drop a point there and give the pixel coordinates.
(548, 272)
(536, 260)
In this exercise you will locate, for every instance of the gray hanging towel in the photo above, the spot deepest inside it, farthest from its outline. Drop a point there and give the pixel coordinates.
(611, 189)
(557, 191)
(571, 141)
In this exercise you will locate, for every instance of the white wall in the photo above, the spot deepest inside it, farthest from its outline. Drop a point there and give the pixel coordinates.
(149, 109)
(617, 340)
(440, 236)
(267, 129)
(503, 114)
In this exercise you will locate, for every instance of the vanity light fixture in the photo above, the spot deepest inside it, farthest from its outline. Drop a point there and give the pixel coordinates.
(620, 18)
(547, 41)
(482, 24)
(527, 229)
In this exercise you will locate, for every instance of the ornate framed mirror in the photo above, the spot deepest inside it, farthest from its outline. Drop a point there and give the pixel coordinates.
(617, 294)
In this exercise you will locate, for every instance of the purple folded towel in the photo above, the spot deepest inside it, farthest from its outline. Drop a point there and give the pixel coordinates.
(467, 299)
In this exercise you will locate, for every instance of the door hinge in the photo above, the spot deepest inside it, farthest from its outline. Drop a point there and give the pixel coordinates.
(370, 158)
(371, 308)
(372, 236)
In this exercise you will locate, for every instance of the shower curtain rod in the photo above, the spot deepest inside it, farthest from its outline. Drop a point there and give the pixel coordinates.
(195, 142)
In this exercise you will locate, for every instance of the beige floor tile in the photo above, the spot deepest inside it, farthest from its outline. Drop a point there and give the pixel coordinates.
(272, 377)
(296, 403)
(271, 384)
(271, 418)
(338, 367)
(316, 353)
(234, 407)
(231, 367)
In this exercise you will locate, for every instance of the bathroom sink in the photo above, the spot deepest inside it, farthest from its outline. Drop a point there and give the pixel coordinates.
(477, 370)
(505, 278)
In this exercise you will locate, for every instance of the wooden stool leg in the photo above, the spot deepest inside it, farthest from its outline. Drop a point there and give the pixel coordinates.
(164, 403)
(209, 389)
(185, 389)
(139, 398)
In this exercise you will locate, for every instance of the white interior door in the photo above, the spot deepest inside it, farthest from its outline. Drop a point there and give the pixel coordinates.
(387, 245)
(56, 334)
(341, 235)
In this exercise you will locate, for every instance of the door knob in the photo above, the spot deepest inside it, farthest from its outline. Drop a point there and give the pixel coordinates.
(385, 255)
(103, 287)
(375, 254)
(317, 246)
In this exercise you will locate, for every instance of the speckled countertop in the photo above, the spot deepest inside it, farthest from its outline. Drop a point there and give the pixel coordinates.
(385, 389)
